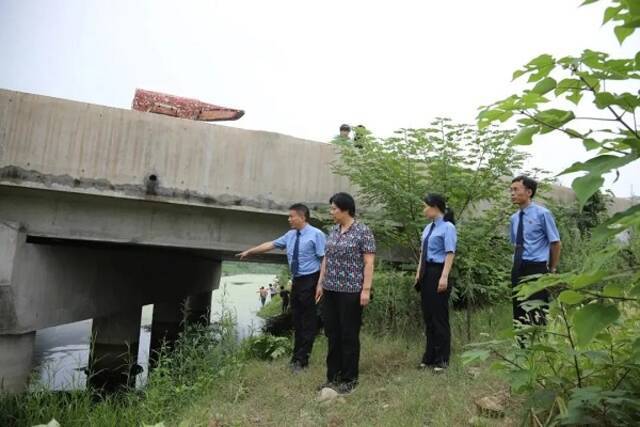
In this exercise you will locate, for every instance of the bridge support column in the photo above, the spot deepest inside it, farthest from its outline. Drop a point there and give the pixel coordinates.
(198, 308)
(16, 356)
(167, 322)
(114, 353)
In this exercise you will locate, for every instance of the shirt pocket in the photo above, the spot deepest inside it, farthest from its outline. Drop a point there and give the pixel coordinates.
(532, 230)
(436, 243)
(307, 247)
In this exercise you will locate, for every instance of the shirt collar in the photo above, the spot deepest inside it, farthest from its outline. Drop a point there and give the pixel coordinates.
(439, 220)
(528, 208)
(303, 229)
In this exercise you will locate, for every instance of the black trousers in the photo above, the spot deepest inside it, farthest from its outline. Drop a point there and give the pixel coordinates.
(305, 318)
(435, 311)
(342, 316)
(537, 315)
(285, 304)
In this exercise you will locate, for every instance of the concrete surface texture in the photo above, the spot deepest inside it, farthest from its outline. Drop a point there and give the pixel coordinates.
(89, 148)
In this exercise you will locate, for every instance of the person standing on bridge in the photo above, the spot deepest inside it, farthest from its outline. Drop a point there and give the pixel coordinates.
(439, 240)
(536, 243)
(345, 288)
(305, 249)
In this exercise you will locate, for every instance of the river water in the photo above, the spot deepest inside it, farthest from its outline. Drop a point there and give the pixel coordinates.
(61, 352)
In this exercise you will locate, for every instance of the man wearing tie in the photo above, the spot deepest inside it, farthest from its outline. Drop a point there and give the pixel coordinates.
(537, 245)
(305, 249)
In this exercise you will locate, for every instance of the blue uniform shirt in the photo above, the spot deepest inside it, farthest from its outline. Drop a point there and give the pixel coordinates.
(442, 240)
(539, 232)
(310, 248)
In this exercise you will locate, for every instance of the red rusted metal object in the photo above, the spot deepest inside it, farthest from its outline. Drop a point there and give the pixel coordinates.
(185, 108)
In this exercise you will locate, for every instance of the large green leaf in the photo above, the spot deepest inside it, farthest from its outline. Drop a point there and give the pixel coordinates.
(626, 101)
(524, 136)
(553, 119)
(583, 280)
(591, 319)
(570, 297)
(610, 13)
(622, 32)
(568, 84)
(539, 67)
(601, 164)
(544, 86)
(586, 186)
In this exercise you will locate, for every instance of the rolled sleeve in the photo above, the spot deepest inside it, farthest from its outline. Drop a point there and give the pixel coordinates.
(368, 242)
(320, 241)
(550, 227)
(281, 242)
(450, 239)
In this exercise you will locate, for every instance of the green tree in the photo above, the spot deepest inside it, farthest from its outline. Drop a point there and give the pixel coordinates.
(392, 175)
(466, 164)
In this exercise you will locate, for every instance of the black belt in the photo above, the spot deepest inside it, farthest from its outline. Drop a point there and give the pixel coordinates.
(306, 275)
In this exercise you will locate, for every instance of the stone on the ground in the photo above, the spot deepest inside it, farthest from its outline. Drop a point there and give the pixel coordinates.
(491, 406)
(327, 395)
(474, 372)
(52, 423)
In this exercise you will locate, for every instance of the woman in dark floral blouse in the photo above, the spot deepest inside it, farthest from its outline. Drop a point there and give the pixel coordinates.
(345, 288)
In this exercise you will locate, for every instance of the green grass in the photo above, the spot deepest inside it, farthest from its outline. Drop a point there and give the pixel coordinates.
(202, 358)
(210, 381)
(272, 308)
(392, 392)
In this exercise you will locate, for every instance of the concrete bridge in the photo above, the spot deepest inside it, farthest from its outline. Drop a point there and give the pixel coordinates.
(103, 210)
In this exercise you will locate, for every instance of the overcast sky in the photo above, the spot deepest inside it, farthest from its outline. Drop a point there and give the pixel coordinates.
(300, 67)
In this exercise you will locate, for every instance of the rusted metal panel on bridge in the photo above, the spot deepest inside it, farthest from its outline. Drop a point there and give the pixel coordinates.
(185, 108)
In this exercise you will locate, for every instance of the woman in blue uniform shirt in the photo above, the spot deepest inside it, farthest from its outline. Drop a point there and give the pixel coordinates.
(432, 280)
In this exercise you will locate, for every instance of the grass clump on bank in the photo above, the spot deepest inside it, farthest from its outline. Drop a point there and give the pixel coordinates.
(201, 360)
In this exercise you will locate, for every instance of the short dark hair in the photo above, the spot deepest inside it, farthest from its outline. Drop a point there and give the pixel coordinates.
(281, 286)
(344, 202)
(301, 209)
(345, 127)
(528, 182)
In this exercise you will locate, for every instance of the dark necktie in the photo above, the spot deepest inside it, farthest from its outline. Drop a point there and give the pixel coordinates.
(296, 251)
(425, 250)
(517, 256)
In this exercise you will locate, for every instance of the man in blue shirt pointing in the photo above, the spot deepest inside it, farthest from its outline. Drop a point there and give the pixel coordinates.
(537, 245)
(305, 249)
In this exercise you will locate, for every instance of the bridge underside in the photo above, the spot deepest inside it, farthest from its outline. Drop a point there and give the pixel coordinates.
(66, 257)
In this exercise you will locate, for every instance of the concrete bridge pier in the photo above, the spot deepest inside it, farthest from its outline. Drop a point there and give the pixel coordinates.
(166, 324)
(16, 355)
(114, 351)
(198, 308)
(170, 316)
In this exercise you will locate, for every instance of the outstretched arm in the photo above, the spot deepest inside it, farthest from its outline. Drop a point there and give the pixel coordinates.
(264, 247)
